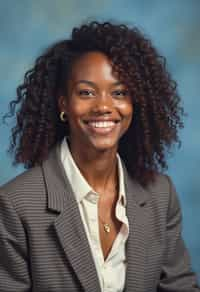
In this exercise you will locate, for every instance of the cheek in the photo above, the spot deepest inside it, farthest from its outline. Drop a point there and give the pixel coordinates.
(76, 111)
(126, 110)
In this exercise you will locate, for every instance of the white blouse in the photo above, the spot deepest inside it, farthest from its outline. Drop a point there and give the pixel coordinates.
(112, 271)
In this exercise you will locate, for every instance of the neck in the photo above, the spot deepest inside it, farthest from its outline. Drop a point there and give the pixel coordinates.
(98, 167)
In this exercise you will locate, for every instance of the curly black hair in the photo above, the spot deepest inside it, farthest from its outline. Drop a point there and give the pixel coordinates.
(157, 110)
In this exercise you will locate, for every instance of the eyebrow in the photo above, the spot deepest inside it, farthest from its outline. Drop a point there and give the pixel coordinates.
(94, 84)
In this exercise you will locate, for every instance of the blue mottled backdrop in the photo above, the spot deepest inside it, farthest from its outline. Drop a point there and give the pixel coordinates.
(27, 27)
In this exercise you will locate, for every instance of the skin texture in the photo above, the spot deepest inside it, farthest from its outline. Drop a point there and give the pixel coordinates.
(95, 95)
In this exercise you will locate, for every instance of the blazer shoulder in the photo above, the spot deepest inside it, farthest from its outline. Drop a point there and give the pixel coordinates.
(163, 193)
(25, 189)
(161, 184)
(25, 180)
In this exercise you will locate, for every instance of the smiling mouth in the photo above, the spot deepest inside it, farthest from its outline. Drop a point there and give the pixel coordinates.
(102, 127)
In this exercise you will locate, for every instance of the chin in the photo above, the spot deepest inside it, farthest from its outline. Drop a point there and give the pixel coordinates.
(104, 145)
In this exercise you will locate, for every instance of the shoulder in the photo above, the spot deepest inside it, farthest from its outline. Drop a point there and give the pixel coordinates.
(25, 190)
(159, 193)
(163, 195)
(31, 179)
(161, 188)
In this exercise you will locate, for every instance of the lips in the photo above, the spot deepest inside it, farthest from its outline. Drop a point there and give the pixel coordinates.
(102, 126)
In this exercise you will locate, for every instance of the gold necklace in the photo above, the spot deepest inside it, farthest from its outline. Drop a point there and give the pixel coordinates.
(106, 226)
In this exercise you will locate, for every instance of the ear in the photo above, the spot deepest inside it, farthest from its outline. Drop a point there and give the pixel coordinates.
(62, 103)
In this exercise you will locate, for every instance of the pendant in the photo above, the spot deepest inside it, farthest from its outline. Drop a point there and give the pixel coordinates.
(106, 227)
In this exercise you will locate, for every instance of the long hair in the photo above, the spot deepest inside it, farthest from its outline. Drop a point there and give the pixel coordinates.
(157, 110)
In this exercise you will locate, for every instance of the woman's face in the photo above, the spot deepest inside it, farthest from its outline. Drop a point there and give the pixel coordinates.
(98, 107)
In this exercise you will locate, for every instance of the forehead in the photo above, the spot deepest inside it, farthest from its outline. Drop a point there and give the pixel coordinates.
(93, 66)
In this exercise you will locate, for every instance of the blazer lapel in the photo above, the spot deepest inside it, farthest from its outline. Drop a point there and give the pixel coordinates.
(68, 225)
(137, 214)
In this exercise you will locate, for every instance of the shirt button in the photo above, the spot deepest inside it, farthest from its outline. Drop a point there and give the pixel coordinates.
(105, 267)
(93, 198)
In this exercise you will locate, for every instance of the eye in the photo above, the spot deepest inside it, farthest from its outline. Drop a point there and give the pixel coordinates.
(120, 93)
(85, 92)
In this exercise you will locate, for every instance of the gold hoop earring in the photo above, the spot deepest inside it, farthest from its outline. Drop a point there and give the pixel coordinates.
(63, 116)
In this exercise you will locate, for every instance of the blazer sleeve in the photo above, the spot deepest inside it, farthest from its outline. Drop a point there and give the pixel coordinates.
(176, 275)
(14, 264)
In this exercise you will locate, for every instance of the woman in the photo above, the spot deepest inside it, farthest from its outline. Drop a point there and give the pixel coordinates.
(93, 212)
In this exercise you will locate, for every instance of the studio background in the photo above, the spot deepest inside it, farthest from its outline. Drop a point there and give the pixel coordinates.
(28, 27)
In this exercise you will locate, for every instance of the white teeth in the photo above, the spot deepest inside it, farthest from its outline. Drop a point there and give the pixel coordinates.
(102, 124)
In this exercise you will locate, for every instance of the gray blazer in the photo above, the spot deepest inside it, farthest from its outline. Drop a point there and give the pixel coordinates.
(43, 245)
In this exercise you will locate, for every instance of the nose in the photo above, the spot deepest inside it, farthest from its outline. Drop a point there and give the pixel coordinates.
(103, 104)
